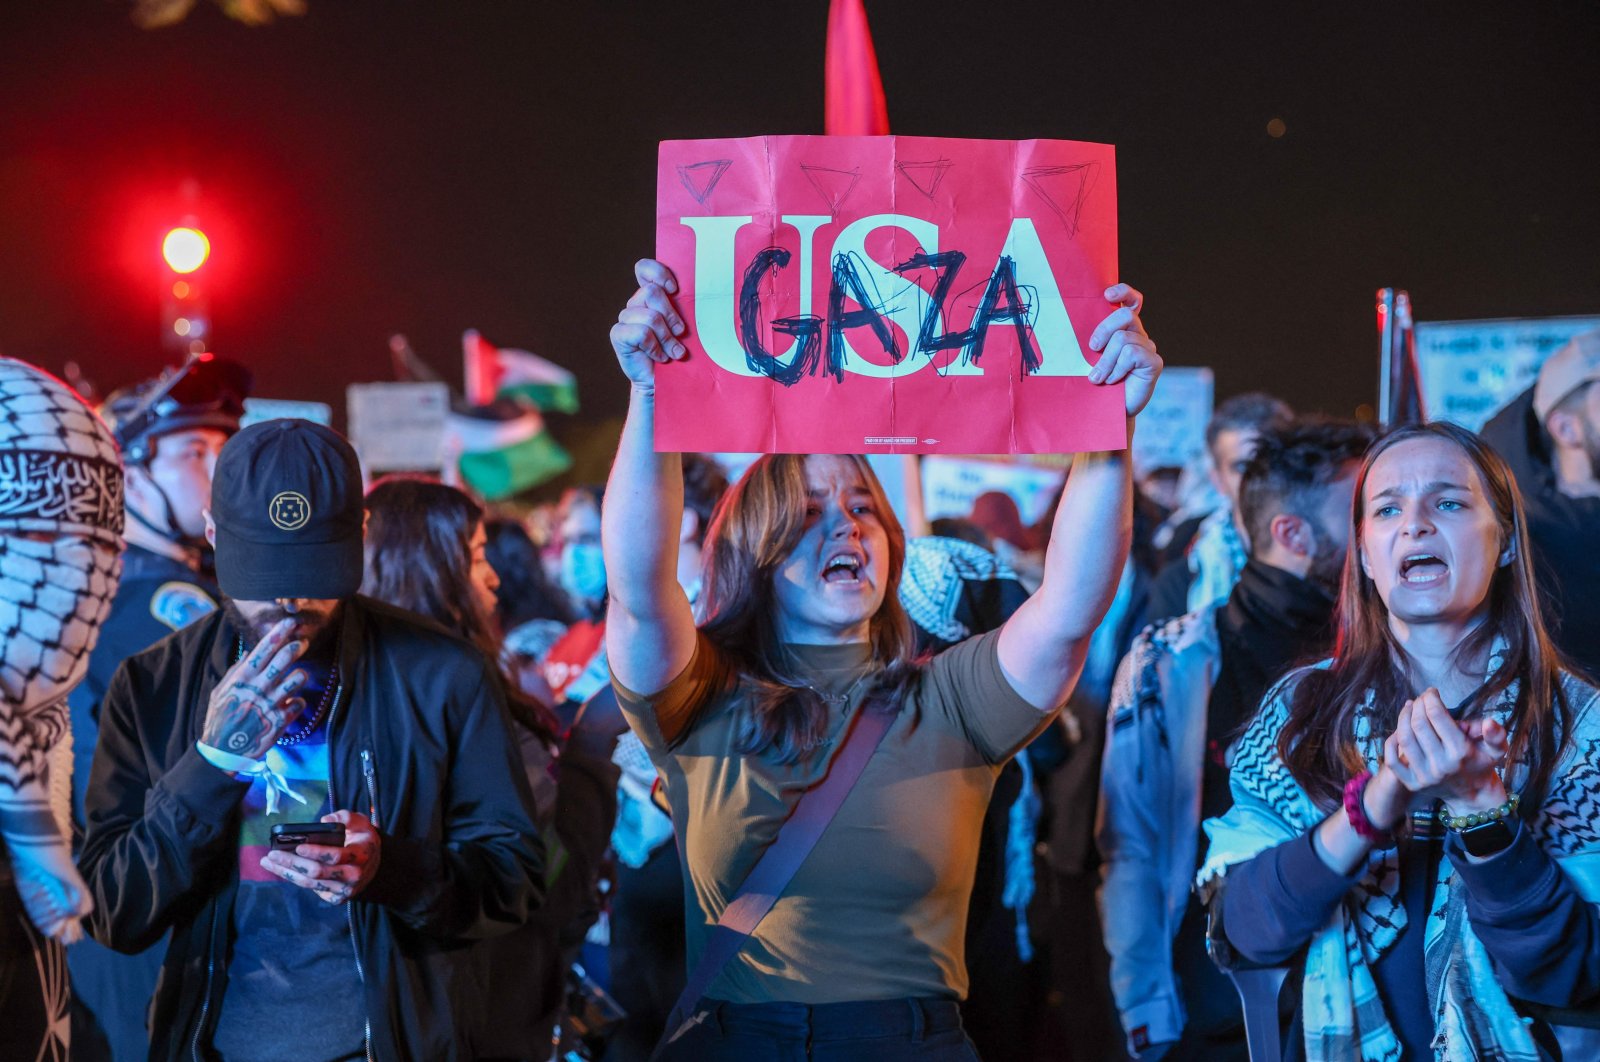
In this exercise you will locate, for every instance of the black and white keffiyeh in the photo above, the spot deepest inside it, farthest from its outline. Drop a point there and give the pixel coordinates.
(60, 548)
(953, 589)
(60, 541)
(1342, 1012)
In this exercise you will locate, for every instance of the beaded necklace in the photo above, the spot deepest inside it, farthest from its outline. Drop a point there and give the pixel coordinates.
(329, 693)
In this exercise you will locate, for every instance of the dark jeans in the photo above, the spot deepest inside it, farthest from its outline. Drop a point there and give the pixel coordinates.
(647, 963)
(891, 1030)
(110, 995)
(1079, 1022)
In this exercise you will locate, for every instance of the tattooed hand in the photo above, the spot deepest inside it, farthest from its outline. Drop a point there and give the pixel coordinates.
(334, 874)
(255, 700)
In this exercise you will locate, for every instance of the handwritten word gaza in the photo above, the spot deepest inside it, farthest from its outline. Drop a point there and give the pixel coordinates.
(1021, 293)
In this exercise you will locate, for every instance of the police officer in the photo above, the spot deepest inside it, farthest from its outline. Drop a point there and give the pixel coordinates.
(170, 430)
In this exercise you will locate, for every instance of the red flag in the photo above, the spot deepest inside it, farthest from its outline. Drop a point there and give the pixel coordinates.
(855, 103)
(480, 364)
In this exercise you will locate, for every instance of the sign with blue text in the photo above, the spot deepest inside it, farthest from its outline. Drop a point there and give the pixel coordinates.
(1470, 369)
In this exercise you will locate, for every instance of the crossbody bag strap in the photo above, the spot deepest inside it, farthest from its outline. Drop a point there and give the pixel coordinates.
(777, 865)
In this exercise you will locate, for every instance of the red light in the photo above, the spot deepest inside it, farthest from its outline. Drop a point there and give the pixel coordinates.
(185, 249)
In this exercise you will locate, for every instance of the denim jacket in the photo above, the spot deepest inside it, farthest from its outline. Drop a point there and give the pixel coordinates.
(1149, 828)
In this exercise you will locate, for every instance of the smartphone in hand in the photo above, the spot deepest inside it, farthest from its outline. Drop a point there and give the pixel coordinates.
(286, 836)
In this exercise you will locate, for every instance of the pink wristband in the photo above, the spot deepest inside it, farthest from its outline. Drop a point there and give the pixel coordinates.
(1354, 790)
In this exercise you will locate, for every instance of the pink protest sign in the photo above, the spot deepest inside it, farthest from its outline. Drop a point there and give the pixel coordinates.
(887, 295)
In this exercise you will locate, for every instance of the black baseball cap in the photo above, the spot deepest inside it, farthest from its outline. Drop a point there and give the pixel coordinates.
(286, 500)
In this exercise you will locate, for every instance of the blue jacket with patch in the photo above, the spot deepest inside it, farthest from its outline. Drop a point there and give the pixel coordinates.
(157, 595)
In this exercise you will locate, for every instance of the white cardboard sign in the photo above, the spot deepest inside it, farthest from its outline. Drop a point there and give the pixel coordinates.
(398, 427)
(1172, 428)
(1471, 369)
(950, 485)
(257, 410)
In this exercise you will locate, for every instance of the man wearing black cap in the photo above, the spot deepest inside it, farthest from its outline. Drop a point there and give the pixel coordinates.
(301, 702)
(171, 430)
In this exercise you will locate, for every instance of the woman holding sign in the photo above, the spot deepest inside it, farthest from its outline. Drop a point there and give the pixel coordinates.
(801, 679)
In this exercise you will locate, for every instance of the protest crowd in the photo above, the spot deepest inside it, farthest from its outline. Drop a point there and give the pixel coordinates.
(1012, 700)
(1291, 753)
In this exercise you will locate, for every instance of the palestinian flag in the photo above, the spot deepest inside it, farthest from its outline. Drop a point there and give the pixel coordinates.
(504, 448)
(493, 372)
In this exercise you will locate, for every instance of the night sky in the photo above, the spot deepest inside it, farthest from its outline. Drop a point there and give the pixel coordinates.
(425, 167)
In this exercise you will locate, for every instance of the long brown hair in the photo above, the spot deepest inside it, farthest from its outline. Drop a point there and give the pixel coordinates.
(756, 526)
(419, 558)
(1318, 742)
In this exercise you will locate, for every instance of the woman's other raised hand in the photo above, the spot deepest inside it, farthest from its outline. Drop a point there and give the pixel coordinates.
(649, 328)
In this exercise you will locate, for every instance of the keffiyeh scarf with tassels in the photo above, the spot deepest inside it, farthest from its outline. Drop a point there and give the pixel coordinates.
(1342, 1012)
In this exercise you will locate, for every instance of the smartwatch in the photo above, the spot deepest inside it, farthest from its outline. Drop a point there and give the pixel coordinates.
(1487, 838)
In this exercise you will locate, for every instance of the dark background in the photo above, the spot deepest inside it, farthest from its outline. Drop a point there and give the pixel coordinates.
(424, 167)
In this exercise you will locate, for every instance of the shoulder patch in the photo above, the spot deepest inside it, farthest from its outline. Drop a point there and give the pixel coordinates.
(179, 604)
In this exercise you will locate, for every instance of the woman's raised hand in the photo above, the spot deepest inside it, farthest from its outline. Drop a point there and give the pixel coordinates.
(649, 327)
(1127, 353)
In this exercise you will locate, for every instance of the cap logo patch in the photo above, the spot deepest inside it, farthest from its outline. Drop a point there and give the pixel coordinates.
(289, 510)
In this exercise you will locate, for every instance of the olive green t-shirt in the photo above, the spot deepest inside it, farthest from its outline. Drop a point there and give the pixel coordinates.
(879, 908)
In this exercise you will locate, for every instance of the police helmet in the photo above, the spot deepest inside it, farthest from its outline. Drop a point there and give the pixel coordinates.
(206, 392)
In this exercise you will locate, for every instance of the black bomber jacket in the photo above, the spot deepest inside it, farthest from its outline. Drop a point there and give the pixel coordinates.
(418, 739)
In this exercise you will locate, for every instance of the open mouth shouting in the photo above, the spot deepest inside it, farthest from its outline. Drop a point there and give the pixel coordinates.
(1422, 571)
(846, 569)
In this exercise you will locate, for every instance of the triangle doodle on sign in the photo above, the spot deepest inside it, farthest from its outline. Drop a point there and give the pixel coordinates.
(834, 186)
(924, 176)
(701, 178)
(1063, 188)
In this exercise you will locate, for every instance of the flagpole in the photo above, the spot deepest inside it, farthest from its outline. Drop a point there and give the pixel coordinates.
(1386, 334)
(1406, 351)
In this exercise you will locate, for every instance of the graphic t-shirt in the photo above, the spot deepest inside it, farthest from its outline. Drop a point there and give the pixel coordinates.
(293, 990)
